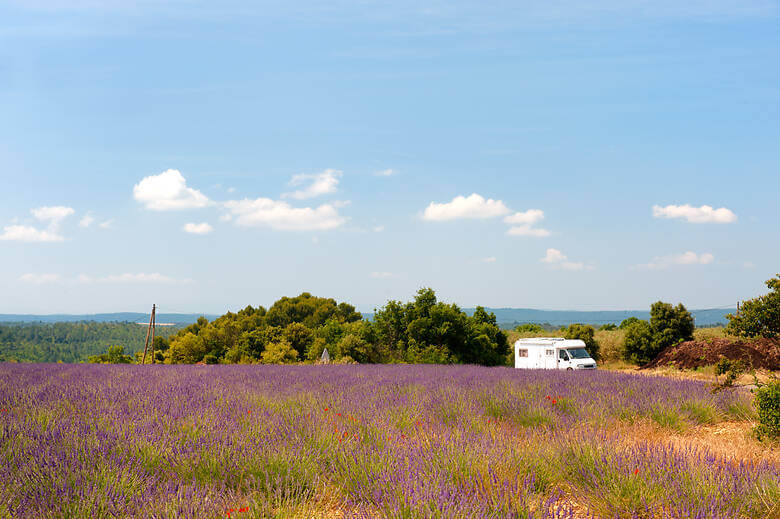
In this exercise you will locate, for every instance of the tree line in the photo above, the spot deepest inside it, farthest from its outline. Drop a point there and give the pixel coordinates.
(67, 341)
(300, 329)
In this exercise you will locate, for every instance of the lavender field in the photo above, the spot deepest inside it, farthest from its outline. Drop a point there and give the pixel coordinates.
(367, 441)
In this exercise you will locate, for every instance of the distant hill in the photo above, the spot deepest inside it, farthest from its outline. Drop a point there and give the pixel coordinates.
(511, 317)
(118, 317)
(506, 317)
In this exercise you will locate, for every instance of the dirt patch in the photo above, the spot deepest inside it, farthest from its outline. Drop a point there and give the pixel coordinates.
(758, 353)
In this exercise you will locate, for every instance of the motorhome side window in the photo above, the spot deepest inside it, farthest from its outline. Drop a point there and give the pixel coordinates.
(549, 353)
(522, 353)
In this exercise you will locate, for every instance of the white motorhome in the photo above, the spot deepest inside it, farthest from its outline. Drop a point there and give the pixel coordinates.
(552, 353)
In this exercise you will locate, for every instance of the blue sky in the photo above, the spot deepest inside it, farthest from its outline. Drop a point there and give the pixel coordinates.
(553, 156)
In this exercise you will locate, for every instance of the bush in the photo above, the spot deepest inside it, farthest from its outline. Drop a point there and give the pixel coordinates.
(638, 342)
(584, 333)
(670, 325)
(767, 404)
(528, 328)
(607, 327)
(628, 322)
(759, 317)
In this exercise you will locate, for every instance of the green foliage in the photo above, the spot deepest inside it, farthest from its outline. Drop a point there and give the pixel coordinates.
(638, 342)
(528, 328)
(426, 330)
(607, 327)
(114, 355)
(733, 369)
(669, 325)
(628, 322)
(584, 333)
(759, 317)
(280, 352)
(767, 402)
(70, 341)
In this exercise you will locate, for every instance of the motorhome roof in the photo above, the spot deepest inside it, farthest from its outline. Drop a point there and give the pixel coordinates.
(551, 341)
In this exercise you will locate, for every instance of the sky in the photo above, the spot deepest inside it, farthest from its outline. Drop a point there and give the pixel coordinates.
(556, 155)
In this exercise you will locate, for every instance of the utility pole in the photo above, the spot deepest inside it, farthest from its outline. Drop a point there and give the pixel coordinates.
(150, 331)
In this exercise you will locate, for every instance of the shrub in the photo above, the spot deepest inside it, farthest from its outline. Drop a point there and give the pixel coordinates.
(759, 317)
(528, 328)
(670, 325)
(638, 342)
(767, 402)
(584, 333)
(628, 322)
(607, 327)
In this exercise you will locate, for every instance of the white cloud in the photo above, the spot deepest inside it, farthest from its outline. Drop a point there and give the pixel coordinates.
(52, 214)
(557, 259)
(527, 230)
(686, 258)
(39, 279)
(168, 191)
(86, 220)
(529, 217)
(378, 228)
(197, 228)
(385, 173)
(490, 259)
(381, 275)
(29, 234)
(318, 184)
(141, 277)
(264, 212)
(703, 214)
(472, 207)
(553, 256)
(106, 225)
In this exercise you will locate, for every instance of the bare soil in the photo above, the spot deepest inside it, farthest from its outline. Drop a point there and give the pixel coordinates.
(757, 353)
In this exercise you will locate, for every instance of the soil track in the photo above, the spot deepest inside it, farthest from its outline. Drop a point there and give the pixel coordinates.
(758, 353)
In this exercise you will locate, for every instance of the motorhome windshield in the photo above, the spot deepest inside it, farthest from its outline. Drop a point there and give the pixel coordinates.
(579, 353)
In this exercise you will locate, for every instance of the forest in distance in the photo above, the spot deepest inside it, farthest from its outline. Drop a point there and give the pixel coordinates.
(293, 329)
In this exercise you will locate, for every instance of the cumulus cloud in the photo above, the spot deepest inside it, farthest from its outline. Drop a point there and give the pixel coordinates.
(686, 258)
(197, 228)
(557, 259)
(489, 259)
(529, 217)
(54, 215)
(385, 173)
(461, 207)
(39, 279)
(527, 230)
(315, 185)
(703, 214)
(264, 212)
(168, 191)
(378, 228)
(106, 225)
(522, 223)
(25, 233)
(86, 220)
(380, 275)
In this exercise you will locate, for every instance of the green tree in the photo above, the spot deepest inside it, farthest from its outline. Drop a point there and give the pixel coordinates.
(279, 353)
(114, 355)
(299, 337)
(628, 322)
(670, 325)
(760, 316)
(585, 333)
(528, 328)
(638, 342)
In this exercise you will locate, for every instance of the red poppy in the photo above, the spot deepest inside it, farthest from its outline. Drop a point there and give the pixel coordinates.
(326, 408)
(636, 471)
(554, 401)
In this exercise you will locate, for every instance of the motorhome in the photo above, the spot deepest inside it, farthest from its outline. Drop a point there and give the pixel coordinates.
(552, 353)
